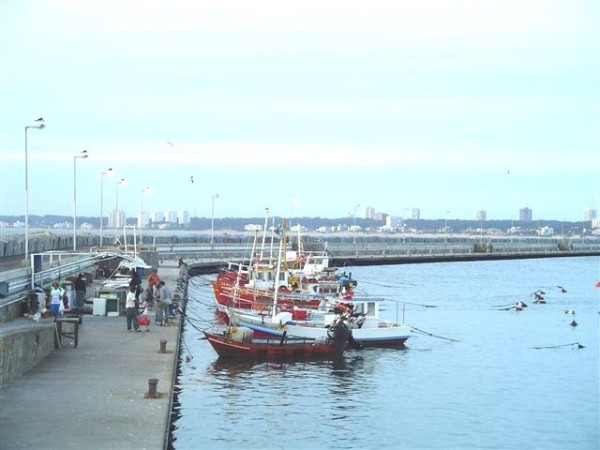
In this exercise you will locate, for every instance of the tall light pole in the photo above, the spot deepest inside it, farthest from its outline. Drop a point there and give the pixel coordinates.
(116, 216)
(83, 155)
(212, 220)
(108, 172)
(145, 190)
(38, 124)
(354, 228)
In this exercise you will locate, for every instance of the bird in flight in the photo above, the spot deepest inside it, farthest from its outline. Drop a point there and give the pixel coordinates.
(192, 179)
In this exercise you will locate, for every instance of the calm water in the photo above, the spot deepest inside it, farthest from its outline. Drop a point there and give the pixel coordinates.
(491, 390)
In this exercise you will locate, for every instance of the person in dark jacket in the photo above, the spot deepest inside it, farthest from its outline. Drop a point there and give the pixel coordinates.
(136, 282)
(80, 291)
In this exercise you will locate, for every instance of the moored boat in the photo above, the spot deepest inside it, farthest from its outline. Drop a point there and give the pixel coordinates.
(239, 343)
(360, 315)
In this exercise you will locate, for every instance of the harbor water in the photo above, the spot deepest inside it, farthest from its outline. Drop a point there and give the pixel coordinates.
(476, 373)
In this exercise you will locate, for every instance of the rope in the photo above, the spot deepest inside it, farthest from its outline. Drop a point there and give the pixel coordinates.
(562, 345)
(408, 303)
(432, 335)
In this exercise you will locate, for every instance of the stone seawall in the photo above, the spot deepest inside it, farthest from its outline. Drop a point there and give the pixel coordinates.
(22, 349)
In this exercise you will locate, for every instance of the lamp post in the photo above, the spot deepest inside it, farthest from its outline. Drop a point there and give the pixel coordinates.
(145, 190)
(354, 228)
(108, 172)
(212, 220)
(38, 124)
(116, 216)
(83, 155)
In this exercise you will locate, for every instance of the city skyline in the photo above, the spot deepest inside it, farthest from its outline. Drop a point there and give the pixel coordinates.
(306, 109)
(184, 216)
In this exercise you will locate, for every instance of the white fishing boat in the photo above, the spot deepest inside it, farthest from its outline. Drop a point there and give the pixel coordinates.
(360, 314)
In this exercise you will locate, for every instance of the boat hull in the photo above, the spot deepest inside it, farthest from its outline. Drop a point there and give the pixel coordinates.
(272, 349)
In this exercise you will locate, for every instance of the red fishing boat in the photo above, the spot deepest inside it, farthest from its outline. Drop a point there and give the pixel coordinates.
(239, 343)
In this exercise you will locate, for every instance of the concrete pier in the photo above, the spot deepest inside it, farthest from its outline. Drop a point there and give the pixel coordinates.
(112, 391)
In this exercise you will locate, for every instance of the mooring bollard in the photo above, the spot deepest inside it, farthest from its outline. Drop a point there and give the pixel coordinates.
(152, 385)
(163, 346)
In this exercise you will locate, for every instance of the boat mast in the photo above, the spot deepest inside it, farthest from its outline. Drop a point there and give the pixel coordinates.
(262, 248)
(277, 275)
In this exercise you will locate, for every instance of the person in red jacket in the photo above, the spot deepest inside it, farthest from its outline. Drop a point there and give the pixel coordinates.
(153, 280)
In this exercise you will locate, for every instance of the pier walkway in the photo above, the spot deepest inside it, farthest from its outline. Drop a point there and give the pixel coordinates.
(95, 396)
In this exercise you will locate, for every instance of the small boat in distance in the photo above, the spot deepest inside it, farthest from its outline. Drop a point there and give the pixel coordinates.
(239, 343)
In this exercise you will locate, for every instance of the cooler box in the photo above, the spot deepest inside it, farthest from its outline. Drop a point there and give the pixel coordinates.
(99, 308)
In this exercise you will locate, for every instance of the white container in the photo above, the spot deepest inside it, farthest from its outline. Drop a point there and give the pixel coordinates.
(99, 308)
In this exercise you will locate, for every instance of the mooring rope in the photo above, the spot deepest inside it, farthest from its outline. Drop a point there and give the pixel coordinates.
(407, 303)
(432, 335)
(562, 345)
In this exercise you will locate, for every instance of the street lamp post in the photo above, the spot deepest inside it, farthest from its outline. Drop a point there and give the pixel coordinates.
(145, 190)
(354, 228)
(38, 124)
(116, 216)
(83, 155)
(108, 172)
(212, 220)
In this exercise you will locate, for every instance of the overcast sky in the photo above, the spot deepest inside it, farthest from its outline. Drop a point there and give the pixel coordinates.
(308, 108)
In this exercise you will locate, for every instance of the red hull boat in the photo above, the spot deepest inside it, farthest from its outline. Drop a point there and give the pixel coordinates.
(239, 343)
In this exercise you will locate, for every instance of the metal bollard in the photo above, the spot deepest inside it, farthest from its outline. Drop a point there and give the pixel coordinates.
(163, 346)
(152, 385)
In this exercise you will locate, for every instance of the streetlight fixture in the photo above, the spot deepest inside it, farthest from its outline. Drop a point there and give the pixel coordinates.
(38, 124)
(110, 172)
(83, 155)
(212, 220)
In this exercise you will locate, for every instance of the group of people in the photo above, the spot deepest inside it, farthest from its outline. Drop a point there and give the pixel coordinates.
(158, 299)
(57, 301)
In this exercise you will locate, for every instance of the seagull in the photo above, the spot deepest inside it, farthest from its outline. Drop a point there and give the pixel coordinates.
(539, 297)
(170, 143)
(570, 312)
(192, 179)
(573, 324)
(41, 119)
(520, 305)
(562, 289)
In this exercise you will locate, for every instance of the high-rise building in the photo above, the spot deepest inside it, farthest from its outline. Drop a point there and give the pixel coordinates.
(525, 215)
(158, 217)
(416, 213)
(116, 219)
(369, 212)
(171, 216)
(143, 219)
(481, 215)
(184, 217)
(589, 214)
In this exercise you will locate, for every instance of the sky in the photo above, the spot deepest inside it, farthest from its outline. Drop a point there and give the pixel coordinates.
(313, 108)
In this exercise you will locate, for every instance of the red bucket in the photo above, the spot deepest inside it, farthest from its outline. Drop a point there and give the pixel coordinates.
(144, 320)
